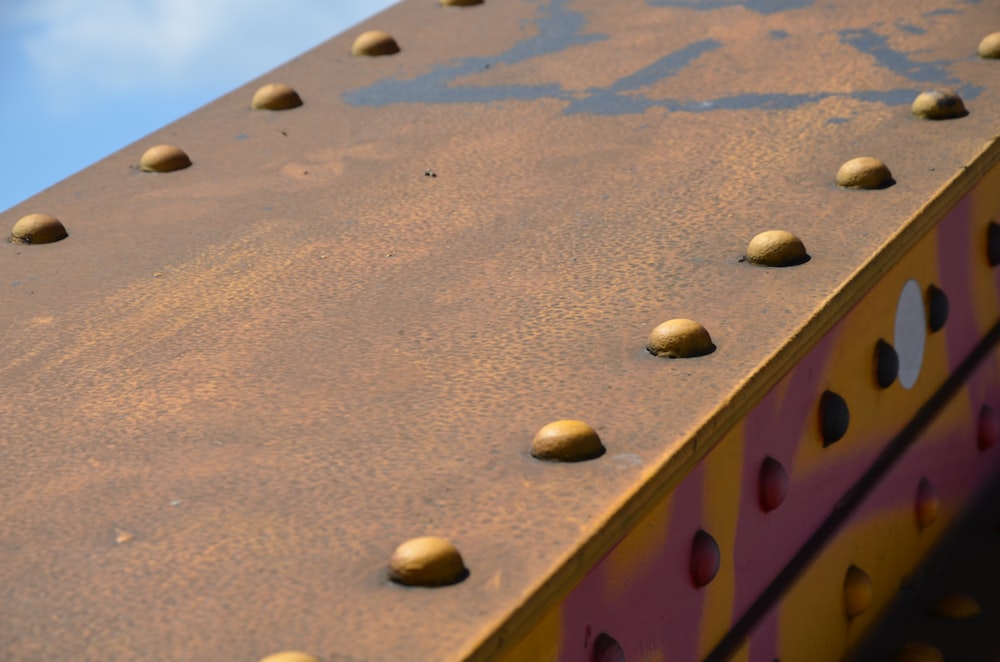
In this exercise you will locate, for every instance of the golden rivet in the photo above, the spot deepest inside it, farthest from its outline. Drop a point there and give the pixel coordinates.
(858, 592)
(776, 248)
(374, 42)
(37, 229)
(956, 606)
(680, 339)
(275, 96)
(928, 504)
(290, 656)
(460, 3)
(938, 105)
(164, 158)
(426, 561)
(864, 172)
(989, 47)
(567, 441)
(918, 651)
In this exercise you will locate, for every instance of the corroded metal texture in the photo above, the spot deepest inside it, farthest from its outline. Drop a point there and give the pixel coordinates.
(234, 389)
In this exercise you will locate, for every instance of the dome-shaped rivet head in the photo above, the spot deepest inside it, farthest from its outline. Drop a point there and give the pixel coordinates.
(835, 417)
(956, 606)
(937, 308)
(773, 484)
(460, 3)
(607, 649)
(864, 172)
(164, 158)
(705, 559)
(993, 243)
(858, 592)
(928, 504)
(426, 561)
(776, 248)
(886, 364)
(680, 339)
(37, 229)
(989, 47)
(290, 656)
(275, 96)
(567, 441)
(918, 651)
(374, 42)
(938, 105)
(988, 428)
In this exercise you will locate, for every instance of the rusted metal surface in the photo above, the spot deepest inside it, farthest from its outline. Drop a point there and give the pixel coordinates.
(236, 388)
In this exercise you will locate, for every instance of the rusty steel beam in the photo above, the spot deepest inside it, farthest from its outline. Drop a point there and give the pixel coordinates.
(236, 387)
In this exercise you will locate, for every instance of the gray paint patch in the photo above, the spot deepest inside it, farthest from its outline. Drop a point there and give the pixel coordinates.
(759, 6)
(777, 34)
(877, 46)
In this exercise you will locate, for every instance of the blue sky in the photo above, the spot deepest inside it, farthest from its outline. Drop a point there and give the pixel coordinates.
(83, 78)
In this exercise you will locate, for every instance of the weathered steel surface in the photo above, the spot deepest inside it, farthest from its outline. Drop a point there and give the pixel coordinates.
(235, 388)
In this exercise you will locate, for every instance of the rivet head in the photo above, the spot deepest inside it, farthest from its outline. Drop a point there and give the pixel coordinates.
(776, 248)
(460, 3)
(290, 656)
(705, 559)
(374, 42)
(993, 243)
(938, 105)
(835, 417)
(275, 96)
(989, 47)
(988, 428)
(956, 606)
(858, 592)
(918, 651)
(607, 649)
(886, 364)
(773, 484)
(164, 158)
(37, 229)
(680, 339)
(937, 308)
(928, 504)
(427, 561)
(567, 441)
(864, 172)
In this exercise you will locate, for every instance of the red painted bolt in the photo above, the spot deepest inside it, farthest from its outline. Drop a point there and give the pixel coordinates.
(773, 484)
(705, 559)
(989, 428)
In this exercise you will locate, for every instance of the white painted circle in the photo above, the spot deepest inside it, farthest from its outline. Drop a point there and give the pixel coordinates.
(910, 333)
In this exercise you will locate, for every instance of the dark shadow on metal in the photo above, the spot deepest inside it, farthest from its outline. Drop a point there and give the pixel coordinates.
(852, 499)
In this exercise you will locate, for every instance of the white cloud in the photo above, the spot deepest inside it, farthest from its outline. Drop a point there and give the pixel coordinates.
(77, 47)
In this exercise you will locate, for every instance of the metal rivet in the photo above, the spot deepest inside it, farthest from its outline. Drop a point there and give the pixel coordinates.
(938, 105)
(918, 651)
(858, 592)
(776, 248)
(835, 417)
(275, 96)
(37, 229)
(988, 428)
(864, 172)
(886, 364)
(374, 42)
(290, 656)
(607, 649)
(427, 561)
(993, 243)
(928, 504)
(956, 606)
(164, 158)
(773, 484)
(567, 441)
(937, 308)
(680, 339)
(460, 3)
(989, 47)
(705, 559)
